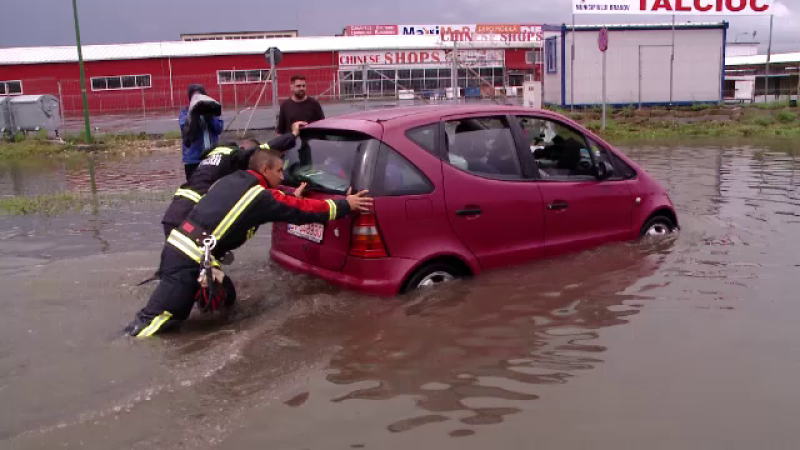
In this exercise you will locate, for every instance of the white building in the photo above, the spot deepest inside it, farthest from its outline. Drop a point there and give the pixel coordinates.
(781, 81)
(639, 64)
(239, 35)
(740, 83)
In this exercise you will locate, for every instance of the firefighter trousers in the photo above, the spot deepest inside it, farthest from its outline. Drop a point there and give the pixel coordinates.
(176, 293)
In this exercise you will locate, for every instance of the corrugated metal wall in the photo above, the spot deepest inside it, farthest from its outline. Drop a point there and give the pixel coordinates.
(638, 67)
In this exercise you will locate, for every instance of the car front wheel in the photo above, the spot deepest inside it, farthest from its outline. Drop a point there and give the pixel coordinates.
(658, 226)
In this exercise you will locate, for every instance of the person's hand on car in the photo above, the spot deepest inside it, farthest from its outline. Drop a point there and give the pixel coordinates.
(297, 126)
(359, 201)
(300, 190)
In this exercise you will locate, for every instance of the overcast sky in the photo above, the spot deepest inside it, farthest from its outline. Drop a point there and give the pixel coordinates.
(49, 22)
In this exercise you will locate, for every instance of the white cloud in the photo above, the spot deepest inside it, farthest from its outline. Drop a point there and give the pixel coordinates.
(782, 10)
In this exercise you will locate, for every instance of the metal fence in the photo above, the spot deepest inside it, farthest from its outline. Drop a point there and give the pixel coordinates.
(153, 105)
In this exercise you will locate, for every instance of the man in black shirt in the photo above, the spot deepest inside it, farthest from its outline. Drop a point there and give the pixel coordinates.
(298, 108)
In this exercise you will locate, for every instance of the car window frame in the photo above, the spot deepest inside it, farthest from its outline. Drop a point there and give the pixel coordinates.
(438, 149)
(378, 175)
(443, 150)
(615, 162)
(524, 148)
(363, 172)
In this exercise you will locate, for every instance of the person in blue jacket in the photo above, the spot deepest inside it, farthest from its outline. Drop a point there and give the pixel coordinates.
(200, 130)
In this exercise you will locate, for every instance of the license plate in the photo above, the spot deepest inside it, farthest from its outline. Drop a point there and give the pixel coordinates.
(312, 231)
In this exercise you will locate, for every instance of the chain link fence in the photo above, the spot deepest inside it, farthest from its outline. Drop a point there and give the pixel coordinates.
(151, 104)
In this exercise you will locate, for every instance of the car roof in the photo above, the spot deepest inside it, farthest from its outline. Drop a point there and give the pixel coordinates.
(373, 122)
(426, 112)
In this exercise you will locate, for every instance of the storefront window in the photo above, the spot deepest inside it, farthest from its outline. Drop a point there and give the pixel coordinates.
(424, 81)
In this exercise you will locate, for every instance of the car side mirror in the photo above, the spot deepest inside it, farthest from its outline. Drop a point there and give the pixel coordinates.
(603, 170)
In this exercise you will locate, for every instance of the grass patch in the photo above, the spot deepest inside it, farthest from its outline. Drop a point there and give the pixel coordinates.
(754, 123)
(172, 135)
(701, 107)
(55, 204)
(764, 121)
(786, 117)
(666, 129)
(772, 106)
(80, 138)
(41, 204)
(39, 145)
(27, 148)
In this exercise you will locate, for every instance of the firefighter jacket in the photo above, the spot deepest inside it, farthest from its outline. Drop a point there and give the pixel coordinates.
(237, 205)
(215, 164)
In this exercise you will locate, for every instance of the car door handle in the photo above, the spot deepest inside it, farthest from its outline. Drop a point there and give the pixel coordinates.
(469, 212)
(558, 206)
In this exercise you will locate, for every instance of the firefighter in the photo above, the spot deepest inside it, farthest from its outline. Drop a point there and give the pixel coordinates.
(215, 164)
(224, 219)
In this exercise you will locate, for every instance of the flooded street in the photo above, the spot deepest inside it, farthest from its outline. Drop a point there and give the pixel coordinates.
(685, 343)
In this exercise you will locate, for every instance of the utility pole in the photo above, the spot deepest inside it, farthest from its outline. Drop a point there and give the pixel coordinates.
(273, 66)
(83, 74)
(571, 69)
(769, 56)
(672, 66)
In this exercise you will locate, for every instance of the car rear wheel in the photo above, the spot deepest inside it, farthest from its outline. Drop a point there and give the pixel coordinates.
(658, 226)
(432, 275)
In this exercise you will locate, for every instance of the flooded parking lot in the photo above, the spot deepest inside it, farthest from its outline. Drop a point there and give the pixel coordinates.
(688, 342)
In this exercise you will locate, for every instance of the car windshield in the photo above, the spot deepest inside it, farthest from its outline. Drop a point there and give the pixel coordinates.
(327, 160)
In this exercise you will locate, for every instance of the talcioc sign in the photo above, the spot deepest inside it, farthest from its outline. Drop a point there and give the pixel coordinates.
(674, 7)
(440, 57)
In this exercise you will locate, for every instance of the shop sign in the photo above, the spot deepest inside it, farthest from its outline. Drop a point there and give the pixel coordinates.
(470, 57)
(674, 7)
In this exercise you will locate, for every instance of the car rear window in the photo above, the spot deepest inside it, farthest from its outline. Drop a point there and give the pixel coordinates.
(425, 137)
(331, 161)
(398, 176)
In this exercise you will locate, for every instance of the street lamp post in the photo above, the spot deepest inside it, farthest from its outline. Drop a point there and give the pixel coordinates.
(83, 74)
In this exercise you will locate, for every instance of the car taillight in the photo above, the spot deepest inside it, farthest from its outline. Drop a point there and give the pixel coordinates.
(366, 241)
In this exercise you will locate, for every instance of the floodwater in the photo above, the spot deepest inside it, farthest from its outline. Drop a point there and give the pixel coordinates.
(685, 343)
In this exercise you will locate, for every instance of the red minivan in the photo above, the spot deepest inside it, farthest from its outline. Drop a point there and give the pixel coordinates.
(459, 190)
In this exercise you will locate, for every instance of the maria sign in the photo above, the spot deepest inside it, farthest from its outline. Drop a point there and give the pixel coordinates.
(675, 7)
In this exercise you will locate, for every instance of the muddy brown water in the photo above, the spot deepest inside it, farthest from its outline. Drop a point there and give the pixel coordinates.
(684, 343)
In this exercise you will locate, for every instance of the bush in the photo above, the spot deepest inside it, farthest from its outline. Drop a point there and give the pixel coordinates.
(627, 111)
(786, 117)
(748, 130)
(594, 125)
(128, 137)
(772, 106)
(700, 107)
(764, 121)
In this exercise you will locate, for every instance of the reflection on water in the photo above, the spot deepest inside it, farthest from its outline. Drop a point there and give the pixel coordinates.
(103, 223)
(305, 365)
(91, 173)
(474, 346)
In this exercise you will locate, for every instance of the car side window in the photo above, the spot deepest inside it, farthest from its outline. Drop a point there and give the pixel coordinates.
(560, 153)
(483, 146)
(398, 176)
(622, 171)
(425, 137)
